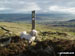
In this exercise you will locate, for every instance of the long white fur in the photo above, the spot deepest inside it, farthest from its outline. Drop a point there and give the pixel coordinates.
(30, 37)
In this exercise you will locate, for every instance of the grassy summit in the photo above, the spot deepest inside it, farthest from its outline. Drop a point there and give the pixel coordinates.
(43, 30)
(60, 38)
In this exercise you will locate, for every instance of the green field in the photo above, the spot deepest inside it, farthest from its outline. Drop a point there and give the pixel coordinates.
(63, 38)
(17, 28)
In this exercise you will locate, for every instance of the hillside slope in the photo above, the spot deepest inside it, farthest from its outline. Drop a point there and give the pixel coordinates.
(51, 40)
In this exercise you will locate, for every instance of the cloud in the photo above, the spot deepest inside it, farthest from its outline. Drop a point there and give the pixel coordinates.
(30, 7)
(42, 6)
(62, 9)
(3, 8)
(18, 6)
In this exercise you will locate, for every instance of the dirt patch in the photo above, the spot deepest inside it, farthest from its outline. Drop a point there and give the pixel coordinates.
(20, 47)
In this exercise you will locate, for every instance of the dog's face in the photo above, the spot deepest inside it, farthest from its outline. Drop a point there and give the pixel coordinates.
(33, 33)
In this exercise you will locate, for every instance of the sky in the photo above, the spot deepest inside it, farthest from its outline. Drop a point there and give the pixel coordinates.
(40, 6)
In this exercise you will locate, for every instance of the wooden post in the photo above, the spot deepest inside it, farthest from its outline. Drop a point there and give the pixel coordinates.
(33, 20)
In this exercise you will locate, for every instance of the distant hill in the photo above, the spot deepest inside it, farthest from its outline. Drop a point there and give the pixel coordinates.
(73, 20)
(39, 17)
(69, 23)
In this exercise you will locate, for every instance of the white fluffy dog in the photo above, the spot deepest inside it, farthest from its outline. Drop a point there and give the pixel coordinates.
(30, 37)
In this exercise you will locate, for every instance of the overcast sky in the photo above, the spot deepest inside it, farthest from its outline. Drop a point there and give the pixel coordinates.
(41, 6)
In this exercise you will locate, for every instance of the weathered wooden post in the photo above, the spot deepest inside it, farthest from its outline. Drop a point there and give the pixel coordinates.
(33, 19)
